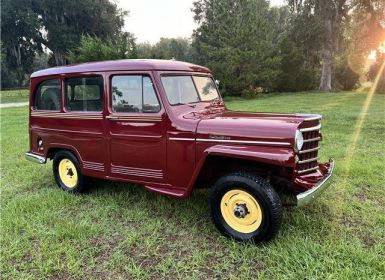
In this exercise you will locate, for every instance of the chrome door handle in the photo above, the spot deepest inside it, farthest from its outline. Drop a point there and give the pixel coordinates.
(109, 117)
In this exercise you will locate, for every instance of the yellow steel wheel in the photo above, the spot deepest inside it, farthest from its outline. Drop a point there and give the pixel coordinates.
(241, 211)
(68, 173)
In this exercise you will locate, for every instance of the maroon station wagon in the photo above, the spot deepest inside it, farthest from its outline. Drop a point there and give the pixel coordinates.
(163, 124)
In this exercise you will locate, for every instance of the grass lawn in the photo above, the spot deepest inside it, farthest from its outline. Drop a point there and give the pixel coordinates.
(16, 95)
(124, 232)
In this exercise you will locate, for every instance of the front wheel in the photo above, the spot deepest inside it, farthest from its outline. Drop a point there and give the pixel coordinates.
(245, 207)
(67, 172)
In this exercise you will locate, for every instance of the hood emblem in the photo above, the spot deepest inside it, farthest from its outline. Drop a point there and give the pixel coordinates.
(219, 137)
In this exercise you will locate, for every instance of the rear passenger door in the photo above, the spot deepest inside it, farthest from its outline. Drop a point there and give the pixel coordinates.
(82, 122)
(135, 122)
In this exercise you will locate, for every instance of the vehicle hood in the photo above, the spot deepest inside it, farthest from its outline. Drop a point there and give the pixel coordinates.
(228, 126)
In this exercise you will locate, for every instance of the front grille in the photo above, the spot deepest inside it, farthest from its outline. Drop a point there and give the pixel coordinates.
(308, 155)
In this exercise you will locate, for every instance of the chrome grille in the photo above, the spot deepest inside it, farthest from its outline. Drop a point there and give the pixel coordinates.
(308, 155)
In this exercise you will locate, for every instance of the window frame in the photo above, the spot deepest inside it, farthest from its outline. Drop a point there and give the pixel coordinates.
(214, 83)
(142, 74)
(191, 75)
(37, 87)
(65, 93)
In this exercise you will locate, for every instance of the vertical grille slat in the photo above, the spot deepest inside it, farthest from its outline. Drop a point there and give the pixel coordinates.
(309, 151)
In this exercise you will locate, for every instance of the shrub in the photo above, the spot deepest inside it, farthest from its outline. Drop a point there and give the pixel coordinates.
(345, 77)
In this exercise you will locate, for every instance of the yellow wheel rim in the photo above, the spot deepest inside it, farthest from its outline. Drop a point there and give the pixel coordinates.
(241, 211)
(68, 174)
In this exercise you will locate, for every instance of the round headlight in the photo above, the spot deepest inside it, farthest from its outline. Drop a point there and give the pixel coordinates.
(298, 140)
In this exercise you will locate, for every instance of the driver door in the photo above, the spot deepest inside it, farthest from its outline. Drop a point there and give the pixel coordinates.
(135, 123)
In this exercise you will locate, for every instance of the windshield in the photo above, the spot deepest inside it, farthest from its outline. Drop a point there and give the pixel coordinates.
(189, 89)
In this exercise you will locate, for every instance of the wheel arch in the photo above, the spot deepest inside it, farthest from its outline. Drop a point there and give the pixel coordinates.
(259, 159)
(53, 149)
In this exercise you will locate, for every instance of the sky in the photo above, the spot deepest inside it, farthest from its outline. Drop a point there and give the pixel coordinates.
(149, 20)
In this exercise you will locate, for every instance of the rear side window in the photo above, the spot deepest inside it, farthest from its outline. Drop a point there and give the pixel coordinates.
(48, 96)
(134, 93)
(84, 94)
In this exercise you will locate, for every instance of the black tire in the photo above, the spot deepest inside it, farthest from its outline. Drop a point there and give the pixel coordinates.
(80, 183)
(267, 199)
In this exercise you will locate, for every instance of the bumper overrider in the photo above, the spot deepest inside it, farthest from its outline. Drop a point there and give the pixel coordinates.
(35, 158)
(307, 196)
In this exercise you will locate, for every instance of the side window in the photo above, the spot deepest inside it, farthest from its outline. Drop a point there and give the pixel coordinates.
(48, 95)
(134, 94)
(84, 94)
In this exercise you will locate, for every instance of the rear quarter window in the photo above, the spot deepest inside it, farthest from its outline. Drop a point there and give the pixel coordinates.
(48, 96)
(84, 94)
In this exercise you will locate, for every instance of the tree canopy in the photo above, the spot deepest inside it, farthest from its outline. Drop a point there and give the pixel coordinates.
(33, 26)
(250, 46)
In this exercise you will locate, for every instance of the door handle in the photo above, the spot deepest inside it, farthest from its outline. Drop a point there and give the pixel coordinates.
(109, 117)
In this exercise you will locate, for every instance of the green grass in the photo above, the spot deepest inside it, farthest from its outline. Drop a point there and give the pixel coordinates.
(17, 95)
(124, 232)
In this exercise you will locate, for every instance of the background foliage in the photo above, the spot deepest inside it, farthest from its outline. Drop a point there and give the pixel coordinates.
(250, 46)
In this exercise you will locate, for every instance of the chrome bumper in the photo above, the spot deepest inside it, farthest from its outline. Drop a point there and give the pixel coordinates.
(307, 196)
(35, 158)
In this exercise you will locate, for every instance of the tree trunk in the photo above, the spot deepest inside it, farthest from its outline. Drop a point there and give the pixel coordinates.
(326, 77)
(60, 58)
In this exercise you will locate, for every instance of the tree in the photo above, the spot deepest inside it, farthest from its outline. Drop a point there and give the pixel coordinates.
(331, 14)
(235, 40)
(298, 47)
(28, 25)
(366, 31)
(95, 49)
(8, 78)
(375, 73)
(167, 48)
(351, 28)
(20, 39)
(66, 21)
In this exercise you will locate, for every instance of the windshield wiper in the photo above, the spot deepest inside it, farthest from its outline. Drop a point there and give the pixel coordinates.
(188, 104)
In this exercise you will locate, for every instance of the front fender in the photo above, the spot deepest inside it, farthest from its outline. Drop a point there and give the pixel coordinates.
(279, 156)
(271, 155)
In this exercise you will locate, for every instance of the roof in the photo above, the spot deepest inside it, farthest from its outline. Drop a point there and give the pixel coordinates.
(121, 65)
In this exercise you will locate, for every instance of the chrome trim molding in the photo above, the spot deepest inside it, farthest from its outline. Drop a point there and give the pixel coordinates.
(134, 118)
(308, 160)
(181, 139)
(156, 137)
(96, 166)
(133, 171)
(312, 140)
(319, 117)
(81, 116)
(35, 158)
(318, 127)
(307, 196)
(63, 130)
(312, 118)
(245, 142)
(309, 150)
(307, 170)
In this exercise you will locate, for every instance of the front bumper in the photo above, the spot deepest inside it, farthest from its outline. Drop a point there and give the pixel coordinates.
(307, 196)
(35, 158)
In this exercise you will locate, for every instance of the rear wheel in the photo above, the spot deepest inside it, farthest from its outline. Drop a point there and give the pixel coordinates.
(67, 172)
(245, 207)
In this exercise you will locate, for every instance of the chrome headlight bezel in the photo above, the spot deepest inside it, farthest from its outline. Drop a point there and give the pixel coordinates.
(298, 143)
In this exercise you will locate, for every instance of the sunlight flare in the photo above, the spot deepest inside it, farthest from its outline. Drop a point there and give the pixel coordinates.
(361, 118)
